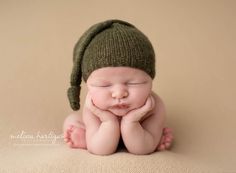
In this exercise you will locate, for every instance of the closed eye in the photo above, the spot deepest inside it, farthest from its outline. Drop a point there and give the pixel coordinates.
(136, 83)
(102, 86)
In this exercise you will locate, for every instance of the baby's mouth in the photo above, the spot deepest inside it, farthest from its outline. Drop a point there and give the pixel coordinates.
(120, 106)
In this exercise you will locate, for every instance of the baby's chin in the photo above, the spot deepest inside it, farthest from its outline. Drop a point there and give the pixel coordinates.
(119, 112)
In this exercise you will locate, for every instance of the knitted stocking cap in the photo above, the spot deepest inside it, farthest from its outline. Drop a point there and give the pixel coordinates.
(113, 43)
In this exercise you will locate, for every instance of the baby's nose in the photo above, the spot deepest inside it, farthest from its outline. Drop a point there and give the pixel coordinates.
(120, 93)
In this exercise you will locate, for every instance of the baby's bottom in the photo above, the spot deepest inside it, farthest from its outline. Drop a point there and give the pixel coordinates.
(74, 134)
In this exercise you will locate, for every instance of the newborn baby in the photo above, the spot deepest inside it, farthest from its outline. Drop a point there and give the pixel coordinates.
(117, 62)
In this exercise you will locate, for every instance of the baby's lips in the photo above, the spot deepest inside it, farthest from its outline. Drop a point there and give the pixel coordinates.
(120, 106)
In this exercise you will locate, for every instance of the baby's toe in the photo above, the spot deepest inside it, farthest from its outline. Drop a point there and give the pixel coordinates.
(161, 147)
(167, 130)
(66, 139)
(70, 144)
(167, 145)
(66, 134)
(70, 128)
(168, 139)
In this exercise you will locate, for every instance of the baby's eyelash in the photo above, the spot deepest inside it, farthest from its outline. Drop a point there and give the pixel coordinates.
(104, 86)
(136, 83)
(133, 83)
(99, 85)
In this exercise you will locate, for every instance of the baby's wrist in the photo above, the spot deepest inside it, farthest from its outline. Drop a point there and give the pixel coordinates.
(113, 120)
(125, 120)
(111, 123)
(110, 118)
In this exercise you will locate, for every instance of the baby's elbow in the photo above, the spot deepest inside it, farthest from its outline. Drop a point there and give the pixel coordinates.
(101, 152)
(141, 150)
(98, 150)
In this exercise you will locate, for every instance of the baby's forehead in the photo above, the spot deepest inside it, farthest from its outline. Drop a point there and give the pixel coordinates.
(118, 71)
(128, 73)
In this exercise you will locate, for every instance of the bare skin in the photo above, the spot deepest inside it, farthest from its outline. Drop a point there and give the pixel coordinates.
(120, 106)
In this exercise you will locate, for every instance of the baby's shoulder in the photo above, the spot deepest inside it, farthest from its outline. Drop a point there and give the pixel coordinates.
(158, 101)
(156, 97)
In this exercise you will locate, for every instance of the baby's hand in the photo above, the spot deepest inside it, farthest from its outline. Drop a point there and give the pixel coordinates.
(103, 115)
(139, 113)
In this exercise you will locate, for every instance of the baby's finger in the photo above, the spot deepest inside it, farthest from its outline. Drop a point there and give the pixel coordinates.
(148, 104)
(98, 112)
(91, 106)
(88, 100)
(153, 102)
(95, 110)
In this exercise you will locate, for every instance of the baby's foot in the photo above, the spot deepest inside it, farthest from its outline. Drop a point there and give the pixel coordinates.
(75, 137)
(166, 139)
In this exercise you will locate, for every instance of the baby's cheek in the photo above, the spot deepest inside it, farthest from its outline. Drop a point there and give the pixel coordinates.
(140, 99)
(100, 102)
(136, 103)
(139, 103)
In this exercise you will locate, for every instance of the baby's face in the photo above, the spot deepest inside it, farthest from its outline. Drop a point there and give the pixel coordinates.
(119, 89)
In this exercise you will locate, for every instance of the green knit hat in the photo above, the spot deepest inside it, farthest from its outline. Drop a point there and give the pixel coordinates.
(112, 43)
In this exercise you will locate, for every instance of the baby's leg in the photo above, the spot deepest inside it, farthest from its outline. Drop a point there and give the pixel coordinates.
(74, 131)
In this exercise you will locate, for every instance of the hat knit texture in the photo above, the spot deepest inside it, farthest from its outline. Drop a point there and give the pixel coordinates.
(112, 43)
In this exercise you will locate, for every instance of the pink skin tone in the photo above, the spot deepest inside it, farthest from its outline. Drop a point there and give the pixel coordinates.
(119, 103)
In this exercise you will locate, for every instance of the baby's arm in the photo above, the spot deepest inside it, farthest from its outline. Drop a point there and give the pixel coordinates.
(102, 129)
(141, 129)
